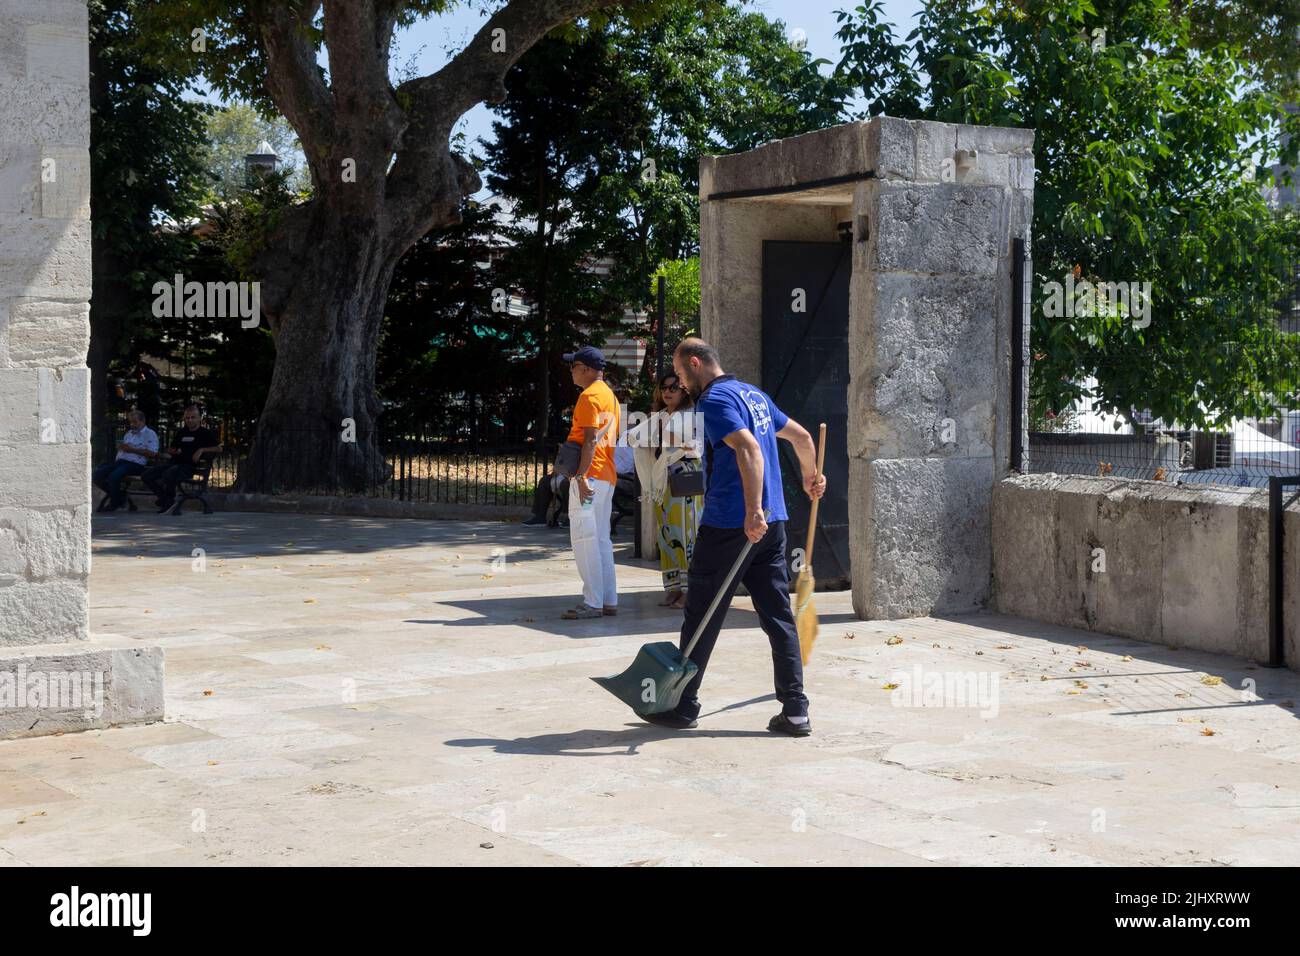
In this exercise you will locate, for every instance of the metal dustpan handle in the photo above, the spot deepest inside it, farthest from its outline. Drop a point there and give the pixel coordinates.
(717, 598)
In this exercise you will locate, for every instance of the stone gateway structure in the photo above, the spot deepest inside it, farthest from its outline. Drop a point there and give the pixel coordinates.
(53, 675)
(863, 275)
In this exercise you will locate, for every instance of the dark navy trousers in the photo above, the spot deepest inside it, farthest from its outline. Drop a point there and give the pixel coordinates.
(767, 578)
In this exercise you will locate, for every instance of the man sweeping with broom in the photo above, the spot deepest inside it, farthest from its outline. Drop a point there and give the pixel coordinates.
(741, 426)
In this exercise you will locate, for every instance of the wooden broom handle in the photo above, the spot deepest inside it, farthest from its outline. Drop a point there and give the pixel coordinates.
(812, 514)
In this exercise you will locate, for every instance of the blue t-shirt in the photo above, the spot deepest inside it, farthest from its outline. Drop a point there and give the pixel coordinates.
(727, 406)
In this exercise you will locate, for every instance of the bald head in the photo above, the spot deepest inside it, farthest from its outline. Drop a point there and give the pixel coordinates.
(696, 363)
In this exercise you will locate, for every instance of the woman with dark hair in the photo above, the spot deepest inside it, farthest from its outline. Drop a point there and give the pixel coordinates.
(677, 455)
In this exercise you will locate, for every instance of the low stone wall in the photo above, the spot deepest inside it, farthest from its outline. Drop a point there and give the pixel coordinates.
(1176, 565)
(79, 685)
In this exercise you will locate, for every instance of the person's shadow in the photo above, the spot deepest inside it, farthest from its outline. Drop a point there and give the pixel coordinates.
(606, 743)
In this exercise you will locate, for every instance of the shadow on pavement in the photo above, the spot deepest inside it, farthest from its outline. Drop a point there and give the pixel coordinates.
(638, 613)
(596, 743)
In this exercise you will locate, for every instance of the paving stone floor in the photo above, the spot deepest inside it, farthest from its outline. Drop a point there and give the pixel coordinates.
(371, 691)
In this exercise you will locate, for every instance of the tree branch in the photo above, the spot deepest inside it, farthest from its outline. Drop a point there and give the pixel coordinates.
(427, 182)
(358, 35)
(293, 78)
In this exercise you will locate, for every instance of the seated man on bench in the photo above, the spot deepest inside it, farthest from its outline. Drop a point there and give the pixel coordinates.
(188, 445)
(137, 446)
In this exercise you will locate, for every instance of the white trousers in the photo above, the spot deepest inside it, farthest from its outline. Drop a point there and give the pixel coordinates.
(592, 549)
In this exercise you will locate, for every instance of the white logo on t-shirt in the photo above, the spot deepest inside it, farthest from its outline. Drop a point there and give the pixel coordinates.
(758, 409)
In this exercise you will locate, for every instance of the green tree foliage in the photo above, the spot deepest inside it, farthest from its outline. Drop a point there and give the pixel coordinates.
(681, 296)
(230, 365)
(1268, 32)
(1145, 149)
(448, 361)
(147, 181)
(597, 152)
(235, 130)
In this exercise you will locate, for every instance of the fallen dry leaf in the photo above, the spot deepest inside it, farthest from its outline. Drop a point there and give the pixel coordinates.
(1127, 658)
(308, 600)
(894, 640)
(207, 693)
(1207, 732)
(889, 687)
(1209, 680)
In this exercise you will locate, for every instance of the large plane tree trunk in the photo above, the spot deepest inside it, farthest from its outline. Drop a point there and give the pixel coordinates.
(383, 174)
(319, 428)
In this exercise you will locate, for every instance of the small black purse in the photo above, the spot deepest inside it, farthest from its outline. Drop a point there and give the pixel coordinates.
(686, 483)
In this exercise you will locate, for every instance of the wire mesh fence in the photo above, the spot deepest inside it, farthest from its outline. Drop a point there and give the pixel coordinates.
(1226, 386)
(1090, 440)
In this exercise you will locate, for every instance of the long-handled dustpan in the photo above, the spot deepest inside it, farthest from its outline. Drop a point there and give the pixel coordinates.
(653, 684)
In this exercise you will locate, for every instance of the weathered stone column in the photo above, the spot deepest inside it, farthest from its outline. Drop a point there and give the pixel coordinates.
(930, 337)
(52, 676)
(934, 208)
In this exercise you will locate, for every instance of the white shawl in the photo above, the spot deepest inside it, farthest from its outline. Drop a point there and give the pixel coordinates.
(651, 471)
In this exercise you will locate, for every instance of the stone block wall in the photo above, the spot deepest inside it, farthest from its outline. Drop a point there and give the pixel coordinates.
(53, 676)
(930, 345)
(44, 321)
(1176, 565)
(934, 209)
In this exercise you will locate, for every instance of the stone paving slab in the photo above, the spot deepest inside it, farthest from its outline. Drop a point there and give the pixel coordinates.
(353, 691)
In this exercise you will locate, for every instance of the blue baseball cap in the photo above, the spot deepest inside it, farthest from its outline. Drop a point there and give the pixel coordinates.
(589, 356)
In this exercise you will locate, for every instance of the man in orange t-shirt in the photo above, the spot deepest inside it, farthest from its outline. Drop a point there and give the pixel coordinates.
(591, 492)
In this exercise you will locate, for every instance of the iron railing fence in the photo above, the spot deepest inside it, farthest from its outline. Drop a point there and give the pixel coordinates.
(404, 464)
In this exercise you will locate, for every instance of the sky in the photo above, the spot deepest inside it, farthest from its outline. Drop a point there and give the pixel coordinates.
(424, 45)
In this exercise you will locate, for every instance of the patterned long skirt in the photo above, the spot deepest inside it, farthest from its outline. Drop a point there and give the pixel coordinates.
(679, 522)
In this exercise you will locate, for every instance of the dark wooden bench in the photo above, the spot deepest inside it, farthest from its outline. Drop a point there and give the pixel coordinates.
(131, 486)
(195, 487)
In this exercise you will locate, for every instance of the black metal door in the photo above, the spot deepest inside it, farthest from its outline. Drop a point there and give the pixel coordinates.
(806, 371)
